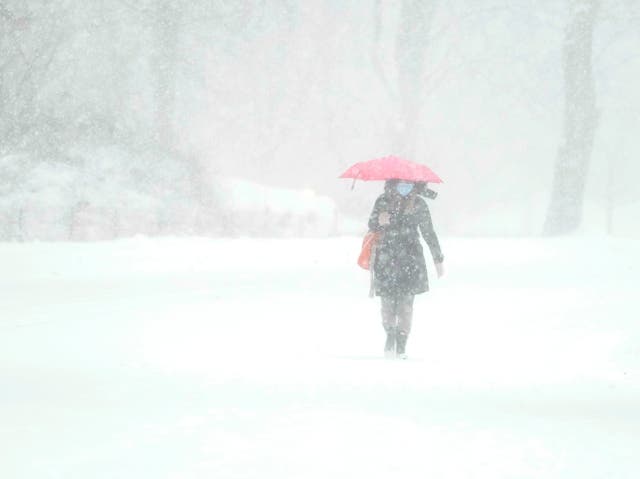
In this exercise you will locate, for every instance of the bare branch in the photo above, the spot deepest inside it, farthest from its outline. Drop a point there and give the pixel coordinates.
(375, 54)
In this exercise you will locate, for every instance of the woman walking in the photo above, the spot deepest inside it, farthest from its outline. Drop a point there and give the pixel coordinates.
(400, 270)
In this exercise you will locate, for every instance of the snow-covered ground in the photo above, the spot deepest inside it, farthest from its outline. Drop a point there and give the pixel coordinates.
(194, 358)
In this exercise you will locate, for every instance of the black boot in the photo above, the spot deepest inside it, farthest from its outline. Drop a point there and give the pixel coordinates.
(390, 343)
(401, 343)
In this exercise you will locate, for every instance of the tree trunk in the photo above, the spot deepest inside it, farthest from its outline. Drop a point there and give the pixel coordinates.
(580, 121)
(405, 93)
(166, 37)
(610, 200)
(411, 45)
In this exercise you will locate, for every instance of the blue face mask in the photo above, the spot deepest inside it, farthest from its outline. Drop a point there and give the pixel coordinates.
(404, 188)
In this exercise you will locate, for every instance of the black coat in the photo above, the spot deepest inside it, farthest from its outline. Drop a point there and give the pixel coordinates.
(400, 267)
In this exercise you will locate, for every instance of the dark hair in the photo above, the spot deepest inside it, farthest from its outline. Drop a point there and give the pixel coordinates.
(423, 190)
(389, 185)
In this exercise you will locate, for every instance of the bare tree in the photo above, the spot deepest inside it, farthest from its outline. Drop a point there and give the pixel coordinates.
(414, 28)
(406, 93)
(166, 31)
(28, 44)
(580, 121)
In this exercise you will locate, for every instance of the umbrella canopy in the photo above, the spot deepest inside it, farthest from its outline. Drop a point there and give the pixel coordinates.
(391, 168)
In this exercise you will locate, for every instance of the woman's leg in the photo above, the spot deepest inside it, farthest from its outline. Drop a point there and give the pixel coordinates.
(404, 307)
(389, 321)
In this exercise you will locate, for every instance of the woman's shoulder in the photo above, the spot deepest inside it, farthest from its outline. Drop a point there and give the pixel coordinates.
(381, 199)
(421, 205)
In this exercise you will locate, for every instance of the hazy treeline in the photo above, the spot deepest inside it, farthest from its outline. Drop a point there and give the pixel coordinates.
(120, 117)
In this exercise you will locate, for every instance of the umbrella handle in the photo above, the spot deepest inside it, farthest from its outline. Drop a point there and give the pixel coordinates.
(353, 184)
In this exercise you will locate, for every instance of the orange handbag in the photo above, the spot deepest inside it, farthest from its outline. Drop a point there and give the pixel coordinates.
(368, 244)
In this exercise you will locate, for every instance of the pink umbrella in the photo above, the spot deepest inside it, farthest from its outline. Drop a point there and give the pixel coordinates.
(390, 168)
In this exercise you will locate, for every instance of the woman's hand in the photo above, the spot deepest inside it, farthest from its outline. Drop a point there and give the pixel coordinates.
(384, 218)
(440, 269)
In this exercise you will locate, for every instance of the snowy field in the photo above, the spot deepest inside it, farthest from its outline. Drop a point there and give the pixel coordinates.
(194, 358)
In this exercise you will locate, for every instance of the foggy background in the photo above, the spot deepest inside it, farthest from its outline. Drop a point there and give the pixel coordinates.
(182, 353)
(219, 118)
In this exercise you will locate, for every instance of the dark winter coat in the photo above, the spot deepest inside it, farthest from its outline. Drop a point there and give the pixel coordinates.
(400, 267)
